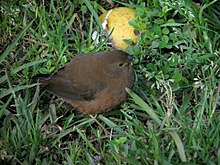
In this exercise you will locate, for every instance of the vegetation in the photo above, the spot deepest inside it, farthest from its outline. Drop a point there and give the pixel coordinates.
(171, 115)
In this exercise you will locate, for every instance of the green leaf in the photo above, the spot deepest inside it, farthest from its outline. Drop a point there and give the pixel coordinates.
(15, 89)
(94, 13)
(173, 37)
(174, 60)
(3, 108)
(49, 63)
(27, 65)
(172, 24)
(177, 76)
(159, 21)
(179, 145)
(43, 71)
(150, 35)
(112, 125)
(120, 141)
(84, 9)
(128, 41)
(155, 44)
(11, 46)
(51, 69)
(130, 50)
(136, 49)
(171, 21)
(63, 60)
(164, 41)
(143, 105)
(165, 30)
(87, 141)
(157, 30)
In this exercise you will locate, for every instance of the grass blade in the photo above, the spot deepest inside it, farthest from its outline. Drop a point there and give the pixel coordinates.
(11, 46)
(112, 125)
(94, 13)
(142, 104)
(179, 145)
(15, 89)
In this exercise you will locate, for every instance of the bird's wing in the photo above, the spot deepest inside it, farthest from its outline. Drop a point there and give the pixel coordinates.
(74, 84)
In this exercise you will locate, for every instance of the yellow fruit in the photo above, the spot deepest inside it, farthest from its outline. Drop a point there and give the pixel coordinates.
(118, 19)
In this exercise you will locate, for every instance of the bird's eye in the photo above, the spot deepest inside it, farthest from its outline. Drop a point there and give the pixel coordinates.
(120, 64)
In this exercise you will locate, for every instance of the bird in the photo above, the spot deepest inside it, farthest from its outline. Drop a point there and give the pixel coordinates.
(93, 82)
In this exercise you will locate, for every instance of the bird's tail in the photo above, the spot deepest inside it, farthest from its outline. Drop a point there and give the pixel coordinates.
(43, 79)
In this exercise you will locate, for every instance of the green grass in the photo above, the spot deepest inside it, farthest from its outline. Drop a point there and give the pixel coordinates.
(172, 114)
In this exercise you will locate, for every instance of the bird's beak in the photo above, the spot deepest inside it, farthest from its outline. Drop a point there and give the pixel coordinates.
(130, 58)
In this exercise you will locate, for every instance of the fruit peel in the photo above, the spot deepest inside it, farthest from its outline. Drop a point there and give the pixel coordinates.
(118, 20)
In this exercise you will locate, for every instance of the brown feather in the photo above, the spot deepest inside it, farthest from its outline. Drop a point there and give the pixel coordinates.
(94, 82)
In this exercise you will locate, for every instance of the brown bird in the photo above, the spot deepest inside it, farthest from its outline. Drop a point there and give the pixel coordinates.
(93, 82)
